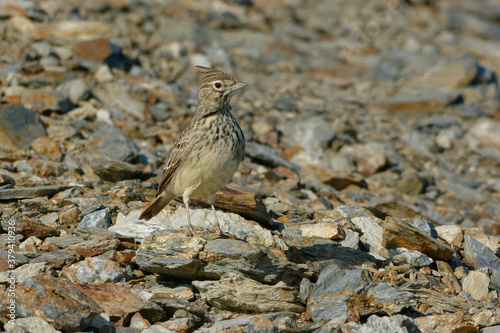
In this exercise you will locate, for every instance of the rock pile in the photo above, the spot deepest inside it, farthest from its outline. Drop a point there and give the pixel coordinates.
(368, 201)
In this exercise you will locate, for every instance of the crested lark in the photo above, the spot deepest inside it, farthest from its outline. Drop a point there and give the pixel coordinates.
(208, 152)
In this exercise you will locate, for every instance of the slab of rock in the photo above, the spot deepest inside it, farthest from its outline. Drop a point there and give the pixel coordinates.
(449, 279)
(113, 170)
(399, 234)
(180, 256)
(116, 96)
(19, 126)
(24, 272)
(113, 299)
(33, 192)
(324, 230)
(414, 258)
(445, 323)
(267, 156)
(56, 259)
(55, 300)
(238, 293)
(94, 271)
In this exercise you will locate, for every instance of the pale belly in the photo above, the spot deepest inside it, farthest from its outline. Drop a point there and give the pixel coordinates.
(207, 174)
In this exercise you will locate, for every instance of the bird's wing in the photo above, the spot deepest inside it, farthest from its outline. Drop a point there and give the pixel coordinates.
(174, 160)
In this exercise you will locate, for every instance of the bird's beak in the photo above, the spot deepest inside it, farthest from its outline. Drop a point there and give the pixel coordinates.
(238, 85)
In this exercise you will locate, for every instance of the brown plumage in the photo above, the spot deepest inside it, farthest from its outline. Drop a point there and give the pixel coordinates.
(208, 152)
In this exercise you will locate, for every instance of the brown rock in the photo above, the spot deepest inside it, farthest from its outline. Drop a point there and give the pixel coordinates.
(96, 50)
(29, 228)
(452, 234)
(114, 299)
(47, 147)
(55, 300)
(445, 323)
(449, 278)
(399, 234)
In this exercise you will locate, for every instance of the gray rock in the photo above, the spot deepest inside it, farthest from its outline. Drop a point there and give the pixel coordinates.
(95, 270)
(56, 259)
(64, 241)
(159, 111)
(479, 255)
(19, 127)
(33, 192)
(113, 170)
(267, 156)
(371, 231)
(329, 307)
(24, 272)
(31, 324)
(236, 292)
(221, 325)
(285, 104)
(98, 219)
(114, 143)
(337, 278)
(116, 96)
(389, 299)
(75, 89)
(401, 256)
(180, 256)
(425, 225)
(18, 257)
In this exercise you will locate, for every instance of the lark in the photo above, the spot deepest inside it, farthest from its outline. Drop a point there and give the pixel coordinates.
(208, 152)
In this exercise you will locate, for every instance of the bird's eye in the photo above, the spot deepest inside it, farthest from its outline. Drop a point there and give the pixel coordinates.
(217, 85)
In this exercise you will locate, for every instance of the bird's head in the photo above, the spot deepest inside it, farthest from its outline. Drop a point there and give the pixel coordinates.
(216, 87)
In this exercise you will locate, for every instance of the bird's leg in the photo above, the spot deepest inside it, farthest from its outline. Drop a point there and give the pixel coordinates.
(190, 227)
(217, 221)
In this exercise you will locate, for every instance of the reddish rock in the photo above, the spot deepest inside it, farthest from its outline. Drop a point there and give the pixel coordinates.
(97, 49)
(114, 299)
(55, 300)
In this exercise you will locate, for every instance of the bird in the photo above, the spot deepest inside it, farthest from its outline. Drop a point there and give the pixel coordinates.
(207, 153)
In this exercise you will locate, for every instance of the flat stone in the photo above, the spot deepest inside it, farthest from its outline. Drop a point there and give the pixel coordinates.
(113, 299)
(19, 126)
(95, 270)
(55, 300)
(324, 230)
(27, 271)
(399, 234)
(267, 156)
(180, 256)
(445, 323)
(113, 170)
(33, 192)
(56, 259)
(64, 241)
(238, 293)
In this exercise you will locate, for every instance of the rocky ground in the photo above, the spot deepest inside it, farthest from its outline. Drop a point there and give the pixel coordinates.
(368, 201)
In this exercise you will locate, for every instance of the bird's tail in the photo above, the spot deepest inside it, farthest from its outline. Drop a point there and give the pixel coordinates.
(156, 206)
